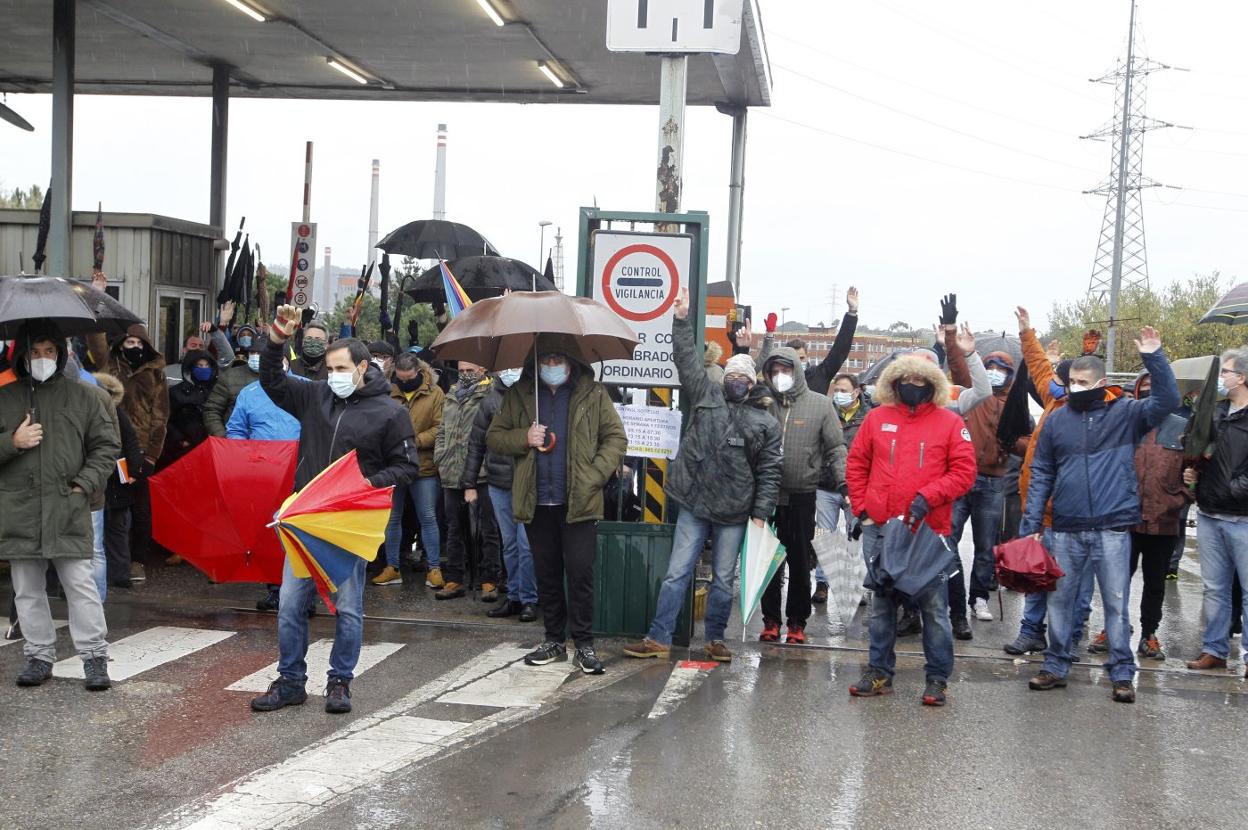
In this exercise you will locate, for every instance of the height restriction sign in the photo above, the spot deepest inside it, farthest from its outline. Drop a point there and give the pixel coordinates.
(639, 276)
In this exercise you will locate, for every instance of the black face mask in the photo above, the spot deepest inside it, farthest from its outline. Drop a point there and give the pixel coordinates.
(133, 355)
(1083, 401)
(1142, 395)
(913, 395)
(408, 385)
(735, 389)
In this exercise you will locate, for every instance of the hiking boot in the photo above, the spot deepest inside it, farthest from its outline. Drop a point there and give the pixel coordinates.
(872, 684)
(282, 692)
(1099, 644)
(1025, 645)
(909, 623)
(528, 613)
(981, 610)
(1044, 681)
(648, 648)
(452, 590)
(337, 696)
(1150, 648)
(797, 633)
(820, 596)
(587, 661)
(1206, 661)
(1123, 692)
(137, 572)
(95, 674)
(270, 601)
(433, 579)
(717, 651)
(174, 560)
(771, 631)
(389, 576)
(489, 592)
(934, 692)
(547, 652)
(507, 608)
(961, 628)
(36, 672)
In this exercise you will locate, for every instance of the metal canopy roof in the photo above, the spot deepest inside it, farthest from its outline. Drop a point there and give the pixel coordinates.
(410, 50)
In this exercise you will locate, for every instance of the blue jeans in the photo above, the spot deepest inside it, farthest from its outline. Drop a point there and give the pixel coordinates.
(1035, 606)
(521, 582)
(1106, 553)
(1223, 553)
(292, 625)
(99, 564)
(934, 607)
(985, 507)
(690, 535)
(424, 493)
(828, 509)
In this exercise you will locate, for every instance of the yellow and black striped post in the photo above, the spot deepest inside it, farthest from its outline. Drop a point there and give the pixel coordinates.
(654, 500)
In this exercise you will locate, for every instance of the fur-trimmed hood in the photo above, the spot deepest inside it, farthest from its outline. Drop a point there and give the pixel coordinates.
(112, 386)
(759, 397)
(886, 387)
(713, 353)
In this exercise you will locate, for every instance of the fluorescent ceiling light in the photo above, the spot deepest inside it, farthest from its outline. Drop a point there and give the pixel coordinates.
(248, 10)
(550, 76)
(348, 71)
(488, 8)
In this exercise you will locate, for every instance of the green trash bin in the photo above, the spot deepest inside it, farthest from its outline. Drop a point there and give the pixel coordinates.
(628, 571)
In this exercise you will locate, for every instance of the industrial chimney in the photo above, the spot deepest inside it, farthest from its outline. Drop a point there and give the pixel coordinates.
(326, 301)
(439, 177)
(370, 255)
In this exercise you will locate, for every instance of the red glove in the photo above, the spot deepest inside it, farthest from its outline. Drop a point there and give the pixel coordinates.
(770, 321)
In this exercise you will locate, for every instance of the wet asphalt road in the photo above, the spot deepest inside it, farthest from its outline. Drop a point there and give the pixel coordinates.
(772, 740)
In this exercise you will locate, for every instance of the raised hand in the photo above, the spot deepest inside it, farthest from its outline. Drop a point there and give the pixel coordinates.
(1148, 341)
(1053, 352)
(949, 310)
(227, 312)
(286, 323)
(966, 339)
(851, 300)
(99, 280)
(681, 308)
(1024, 319)
(770, 321)
(744, 338)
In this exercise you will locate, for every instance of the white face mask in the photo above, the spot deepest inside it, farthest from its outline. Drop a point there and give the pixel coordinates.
(509, 376)
(42, 368)
(343, 383)
(870, 390)
(1079, 387)
(843, 399)
(781, 382)
(996, 377)
(253, 361)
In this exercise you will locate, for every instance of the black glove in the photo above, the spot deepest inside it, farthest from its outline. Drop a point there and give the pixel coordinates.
(949, 310)
(855, 529)
(917, 512)
(413, 333)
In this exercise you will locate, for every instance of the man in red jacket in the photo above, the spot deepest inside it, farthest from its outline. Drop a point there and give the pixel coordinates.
(912, 458)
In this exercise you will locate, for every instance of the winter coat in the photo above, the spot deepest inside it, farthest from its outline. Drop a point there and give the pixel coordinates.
(498, 470)
(810, 431)
(312, 371)
(221, 401)
(450, 448)
(1041, 373)
(1162, 493)
(368, 422)
(43, 518)
(594, 445)
(257, 418)
(1222, 487)
(147, 392)
(120, 495)
(901, 452)
(710, 359)
(990, 458)
(819, 378)
(849, 429)
(1085, 461)
(186, 410)
(424, 409)
(729, 465)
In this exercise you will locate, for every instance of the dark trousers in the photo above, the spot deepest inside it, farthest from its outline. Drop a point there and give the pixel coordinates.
(1154, 552)
(564, 552)
(141, 523)
(485, 546)
(795, 526)
(117, 544)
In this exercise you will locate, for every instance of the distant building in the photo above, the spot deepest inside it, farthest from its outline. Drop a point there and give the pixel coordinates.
(869, 346)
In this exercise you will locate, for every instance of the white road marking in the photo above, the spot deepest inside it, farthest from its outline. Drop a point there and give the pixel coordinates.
(685, 677)
(1189, 565)
(318, 665)
(55, 624)
(146, 650)
(514, 685)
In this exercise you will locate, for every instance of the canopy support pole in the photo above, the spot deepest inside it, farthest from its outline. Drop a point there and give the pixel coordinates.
(736, 197)
(219, 161)
(64, 22)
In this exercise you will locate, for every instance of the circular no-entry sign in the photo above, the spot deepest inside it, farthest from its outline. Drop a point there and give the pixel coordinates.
(640, 282)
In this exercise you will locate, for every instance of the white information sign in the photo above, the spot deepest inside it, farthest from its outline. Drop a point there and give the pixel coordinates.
(674, 26)
(303, 246)
(639, 276)
(653, 431)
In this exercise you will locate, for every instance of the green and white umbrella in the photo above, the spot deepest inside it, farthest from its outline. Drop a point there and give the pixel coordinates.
(761, 556)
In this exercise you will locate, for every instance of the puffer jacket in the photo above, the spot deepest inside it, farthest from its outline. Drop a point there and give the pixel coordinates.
(120, 495)
(147, 391)
(900, 452)
(220, 404)
(424, 409)
(1085, 461)
(810, 431)
(729, 465)
(482, 465)
(450, 448)
(1222, 487)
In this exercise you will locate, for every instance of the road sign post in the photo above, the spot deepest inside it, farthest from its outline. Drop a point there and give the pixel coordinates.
(303, 262)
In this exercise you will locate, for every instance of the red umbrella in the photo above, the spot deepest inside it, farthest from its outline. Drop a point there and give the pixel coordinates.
(213, 507)
(1024, 565)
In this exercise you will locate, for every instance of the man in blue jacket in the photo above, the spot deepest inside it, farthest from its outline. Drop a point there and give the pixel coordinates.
(1085, 462)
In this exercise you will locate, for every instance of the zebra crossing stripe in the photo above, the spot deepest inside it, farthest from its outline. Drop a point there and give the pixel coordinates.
(146, 650)
(318, 665)
(685, 677)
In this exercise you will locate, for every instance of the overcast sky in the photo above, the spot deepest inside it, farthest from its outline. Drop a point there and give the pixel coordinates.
(912, 149)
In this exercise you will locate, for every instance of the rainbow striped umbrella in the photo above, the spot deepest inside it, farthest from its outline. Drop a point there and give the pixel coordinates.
(456, 299)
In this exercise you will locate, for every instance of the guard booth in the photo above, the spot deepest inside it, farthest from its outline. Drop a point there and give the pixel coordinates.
(636, 264)
(159, 267)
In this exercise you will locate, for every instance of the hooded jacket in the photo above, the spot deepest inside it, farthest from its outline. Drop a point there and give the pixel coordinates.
(257, 418)
(147, 392)
(710, 359)
(810, 431)
(1041, 373)
(424, 409)
(120, 495)
(483, 465)
(729, 465)
(819, 378)
(1222, 488)
(186, 410)
(1159, 471)
(221, 401)
(367, 421)
(450, 449)
(901, 452)
(990, 458)
(1085, 461)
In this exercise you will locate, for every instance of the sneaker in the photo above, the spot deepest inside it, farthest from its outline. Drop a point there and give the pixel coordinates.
(389, 576)
(282, 692)
(36, 672)
(820, 596)
(14, 631)
(489, 592)
(587, 661)
(1044, 681)
(1123, 692)
(961, 628)
(95, 674)
(337, 696)
(1150, 649)
(1099, 644)
(137, 573)
(547, 652)
(873, 683)
(771, 632)
(269, 603)
(174, 560)
(506, 608)
(433, 579)
(528, 613)
(909, 623)
(934, 692)
(1025, 645)
(797, 634)
(717, 651)
(981, 610)
(1172, 576)
(647, 648)
(452, 590)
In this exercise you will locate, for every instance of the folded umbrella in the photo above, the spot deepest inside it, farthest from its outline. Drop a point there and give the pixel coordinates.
(97, 244)
(45, 226)
(436, 238)
(842, 563)
(480, 277)
(1198, 439)
(908, 562)
(75, 307)
(1024, 565)
(761, 556)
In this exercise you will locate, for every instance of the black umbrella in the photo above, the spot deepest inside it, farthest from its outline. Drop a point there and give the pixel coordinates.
(435, 238)
(45, 222)
(1231, 309)
(549, 271)
(229, 264)
(13, 118)
(480, 277)
(384, 268)
(75, 307)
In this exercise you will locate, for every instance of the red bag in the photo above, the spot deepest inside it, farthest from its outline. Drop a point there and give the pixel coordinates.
(1024, 565)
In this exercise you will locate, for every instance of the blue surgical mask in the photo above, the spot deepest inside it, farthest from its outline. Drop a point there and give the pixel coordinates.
(509, 376)
(996, 377)
(342, 383)
(253, 361)
(843, 399)
(1056, 390)
(202, 374)
(244, 342)
(555, 375)
(1222, 390)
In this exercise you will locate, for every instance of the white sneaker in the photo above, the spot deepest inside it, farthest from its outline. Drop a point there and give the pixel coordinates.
(981, 611)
